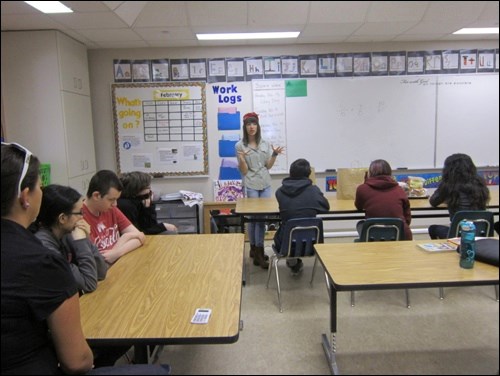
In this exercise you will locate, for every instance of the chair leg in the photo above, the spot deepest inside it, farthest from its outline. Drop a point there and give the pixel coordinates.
(352, 298)
(407, 298)
(269, 269)
(314, 270)
(441, 293)
(496, 292)
(278, 284)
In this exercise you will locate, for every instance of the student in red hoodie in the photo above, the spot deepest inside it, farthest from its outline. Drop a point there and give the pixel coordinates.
(381, 196)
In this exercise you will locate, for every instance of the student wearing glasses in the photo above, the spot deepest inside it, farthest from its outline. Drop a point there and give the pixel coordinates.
(110, 229)
(136, 202)
(61, 228)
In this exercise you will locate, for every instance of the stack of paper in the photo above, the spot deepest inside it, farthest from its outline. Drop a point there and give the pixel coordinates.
(438, 247)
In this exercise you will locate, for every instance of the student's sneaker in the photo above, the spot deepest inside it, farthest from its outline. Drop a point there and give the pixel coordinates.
(297, 268)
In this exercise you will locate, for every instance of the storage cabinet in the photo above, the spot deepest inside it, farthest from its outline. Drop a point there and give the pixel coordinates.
(186, 218)
(45, 88)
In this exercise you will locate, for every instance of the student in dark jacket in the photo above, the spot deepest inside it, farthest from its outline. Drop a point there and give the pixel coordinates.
(297, 198)
(136, 202)
(381, 196)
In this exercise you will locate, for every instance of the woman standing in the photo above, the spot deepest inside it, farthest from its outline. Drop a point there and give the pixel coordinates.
(461, 188)
(255, 158)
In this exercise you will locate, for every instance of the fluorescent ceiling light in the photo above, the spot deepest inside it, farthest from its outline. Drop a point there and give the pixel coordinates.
(235, 36)
(477, 30)
(49, 6)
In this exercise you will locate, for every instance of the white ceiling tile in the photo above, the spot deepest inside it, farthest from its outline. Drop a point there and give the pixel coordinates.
(165, 34)
(110, 35)
(338, 11)
(340, 29)
(17, 7)
(427, 27)
(392, 11)
(81, 21)
(453, 10)
(87, 6)
(490, 12)
(130, 10)
(174, 43)
(163, 13)
(383, 28)
(272, 13)
(123, 44)
(217, 13)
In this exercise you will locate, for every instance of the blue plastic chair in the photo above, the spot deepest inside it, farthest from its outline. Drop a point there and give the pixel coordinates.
(299, 237)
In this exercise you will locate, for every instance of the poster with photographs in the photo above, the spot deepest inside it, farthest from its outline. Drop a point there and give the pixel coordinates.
(361, 64)
(140, 71)
(344, 65)
(450, 61)
(235, 69)
(272, 66)
(198, 69)
(180, 69)
(416, 62)
(433, 62)
(122, 70)
(160, 70)
(216, 70)
(326, 65)
(253, 68)
(380, 64)
(486, 60)
(397, 63)
(308, 66)
(289, 66)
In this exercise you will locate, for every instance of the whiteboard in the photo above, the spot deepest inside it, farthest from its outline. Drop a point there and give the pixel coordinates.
(348, 122)
(467, 118)
(269, 103)
(160, 128)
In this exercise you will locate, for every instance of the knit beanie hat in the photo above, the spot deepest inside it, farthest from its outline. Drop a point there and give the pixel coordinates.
(250, 117)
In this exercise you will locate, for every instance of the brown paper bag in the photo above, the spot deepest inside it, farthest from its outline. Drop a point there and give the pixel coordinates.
(348, 180)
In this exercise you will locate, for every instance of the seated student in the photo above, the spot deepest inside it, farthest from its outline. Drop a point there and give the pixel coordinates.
(297, 198)
(41, 329)
(110, 230)
(381, 196)
(461, 188)
(136, 202)
(63, 230)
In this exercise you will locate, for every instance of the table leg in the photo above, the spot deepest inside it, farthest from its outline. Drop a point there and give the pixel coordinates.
(329, 346)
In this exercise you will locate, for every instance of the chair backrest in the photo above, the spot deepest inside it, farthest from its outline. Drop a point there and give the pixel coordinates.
(382, 229)
(483, 219)
(300, 235)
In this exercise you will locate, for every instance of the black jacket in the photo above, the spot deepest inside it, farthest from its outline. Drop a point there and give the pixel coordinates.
(298, 198)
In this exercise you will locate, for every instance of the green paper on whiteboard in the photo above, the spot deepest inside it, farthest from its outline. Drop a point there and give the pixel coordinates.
(296, 88)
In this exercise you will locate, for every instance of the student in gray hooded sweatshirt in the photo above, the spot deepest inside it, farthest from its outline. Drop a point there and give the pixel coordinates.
(298, 198)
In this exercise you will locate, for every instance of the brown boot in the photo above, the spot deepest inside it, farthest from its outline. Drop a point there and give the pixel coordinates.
(259, 258)
(252, 251)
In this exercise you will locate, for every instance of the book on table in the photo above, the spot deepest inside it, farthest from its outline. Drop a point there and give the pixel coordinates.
(438, 247)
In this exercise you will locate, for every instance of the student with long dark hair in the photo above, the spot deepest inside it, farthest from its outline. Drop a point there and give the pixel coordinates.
(461, 188)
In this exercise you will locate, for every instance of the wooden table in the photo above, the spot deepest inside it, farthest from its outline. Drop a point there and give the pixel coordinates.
(391, 265)
(150, 295)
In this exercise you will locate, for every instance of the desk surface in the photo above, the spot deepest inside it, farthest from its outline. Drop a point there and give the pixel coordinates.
(388, 265)
(150, 295)
(249, 206)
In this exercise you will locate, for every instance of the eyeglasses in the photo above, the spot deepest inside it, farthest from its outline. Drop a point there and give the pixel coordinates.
(27, 158)
(145, 196)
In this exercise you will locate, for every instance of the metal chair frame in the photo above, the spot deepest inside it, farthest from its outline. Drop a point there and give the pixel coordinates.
(300, 235)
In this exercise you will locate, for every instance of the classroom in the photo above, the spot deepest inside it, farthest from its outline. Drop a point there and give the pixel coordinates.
(127, 86)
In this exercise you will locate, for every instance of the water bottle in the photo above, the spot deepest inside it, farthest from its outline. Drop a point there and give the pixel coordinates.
(467, 244)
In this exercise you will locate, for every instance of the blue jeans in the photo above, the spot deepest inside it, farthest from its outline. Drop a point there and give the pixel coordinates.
(256, 230)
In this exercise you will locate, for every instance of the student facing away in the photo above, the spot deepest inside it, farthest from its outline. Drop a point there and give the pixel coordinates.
(381, 196)
(461, 188)
(298, 198)
(110, 229)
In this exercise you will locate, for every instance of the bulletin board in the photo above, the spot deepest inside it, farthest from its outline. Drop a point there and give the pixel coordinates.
(160, 128)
